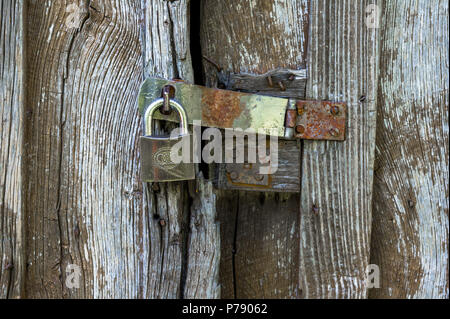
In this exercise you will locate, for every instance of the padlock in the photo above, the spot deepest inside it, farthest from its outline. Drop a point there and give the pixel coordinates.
(156, 161)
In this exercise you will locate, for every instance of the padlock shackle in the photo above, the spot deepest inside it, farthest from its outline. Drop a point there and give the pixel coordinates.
(148, 117)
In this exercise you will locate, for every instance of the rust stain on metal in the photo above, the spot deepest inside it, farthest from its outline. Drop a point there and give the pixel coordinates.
(321, 120)
(247, 175)
(317, 120)
(291, 118)
(220, 107)
(252, 182)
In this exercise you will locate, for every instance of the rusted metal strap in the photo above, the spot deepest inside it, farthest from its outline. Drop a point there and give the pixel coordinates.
(315, 120)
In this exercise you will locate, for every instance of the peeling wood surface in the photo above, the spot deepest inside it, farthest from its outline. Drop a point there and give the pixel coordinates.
(259, 231)
(267, 239)
(12, 263)
(336, 195)
(411, 186)
(167, 203)
(258, 35)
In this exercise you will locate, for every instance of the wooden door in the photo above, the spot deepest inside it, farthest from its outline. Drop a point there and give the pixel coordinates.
(69, 156)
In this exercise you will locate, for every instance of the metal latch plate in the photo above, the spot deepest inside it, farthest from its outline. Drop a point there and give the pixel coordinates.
(247, 177)
(230, 109)
(320, 120)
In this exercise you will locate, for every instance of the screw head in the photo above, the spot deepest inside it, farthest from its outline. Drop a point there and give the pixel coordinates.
(334, 110)
(315, 209)
(334, 132)
(300, 129)
(233, 175)
(259, 177)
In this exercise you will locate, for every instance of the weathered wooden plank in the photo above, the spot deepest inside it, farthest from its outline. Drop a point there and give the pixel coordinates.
(267, 246)
(12, 264)
(85, 202)
(336, 184)
(202, 277)
(83, 192)
(258, 36)
(227, 207)
(258, 231)
(177, 269)
(280, 82)
(411, 192)
(166, 40)
(165, 201)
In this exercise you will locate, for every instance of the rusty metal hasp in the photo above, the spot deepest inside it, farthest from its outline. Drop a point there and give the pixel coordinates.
(285, 118)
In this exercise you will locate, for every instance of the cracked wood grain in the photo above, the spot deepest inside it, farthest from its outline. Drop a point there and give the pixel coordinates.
(184, 253)
(83, 199)
(411, 192)
(202, 277)
(166, 201)
(83, 196)
(12, 265)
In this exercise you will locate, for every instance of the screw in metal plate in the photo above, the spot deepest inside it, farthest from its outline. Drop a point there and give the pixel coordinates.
(233, 175)
(334, 110)
(300, 129)
(334, 132)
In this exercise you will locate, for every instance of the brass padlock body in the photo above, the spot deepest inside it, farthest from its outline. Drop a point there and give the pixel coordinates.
(156, 162)
(157, 166)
